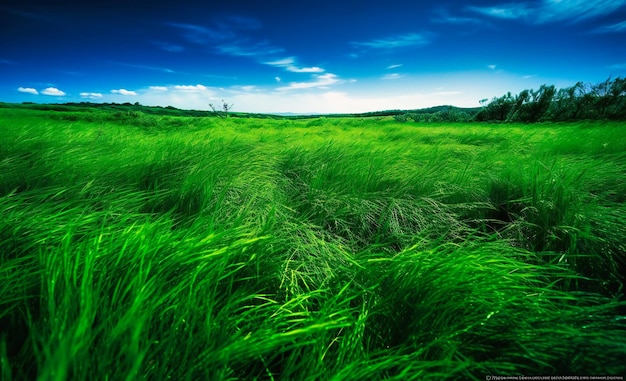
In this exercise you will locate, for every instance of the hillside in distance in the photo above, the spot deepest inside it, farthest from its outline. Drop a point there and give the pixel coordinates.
(173, 111)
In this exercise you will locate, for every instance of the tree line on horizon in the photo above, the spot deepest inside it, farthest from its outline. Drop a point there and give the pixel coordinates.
(604, 100)
(583, 101)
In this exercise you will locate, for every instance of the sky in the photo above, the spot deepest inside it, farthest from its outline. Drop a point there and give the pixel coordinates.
(290, 56)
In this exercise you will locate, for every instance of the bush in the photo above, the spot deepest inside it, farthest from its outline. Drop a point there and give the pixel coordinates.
(401, 118)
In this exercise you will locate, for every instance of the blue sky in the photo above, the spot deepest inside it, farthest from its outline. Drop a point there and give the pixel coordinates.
(304, 56)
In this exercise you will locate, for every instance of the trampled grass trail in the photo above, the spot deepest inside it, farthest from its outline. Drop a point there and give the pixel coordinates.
(328, 249)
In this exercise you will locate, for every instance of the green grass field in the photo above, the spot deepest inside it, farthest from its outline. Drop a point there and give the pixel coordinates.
(155, 247)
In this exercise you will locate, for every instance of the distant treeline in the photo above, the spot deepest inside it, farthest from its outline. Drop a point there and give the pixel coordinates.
(108, 107)
(128, 109)
(605, 100)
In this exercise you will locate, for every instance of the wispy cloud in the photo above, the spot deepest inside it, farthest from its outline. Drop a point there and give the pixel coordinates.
(392, 76)
(442, 16)
(158, 88)
(28, 90)
(231, 35)
(576, 10)
(53, 91)
(245, 48)
(289, 64)
(91, 95)
(492, 67)
(146, 67)
(248, 88)
(394, 66)
(547, 11)
(169, 47)
(7, 62)
(283, 62)
(614, 28)
(123, 92)
(505, 11)
(238, 22)
(199, 34)
(319, 80)
(227, 27)
(399, 41)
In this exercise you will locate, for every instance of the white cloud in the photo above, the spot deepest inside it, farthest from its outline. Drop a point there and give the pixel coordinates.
(91, 95)
(28, 90)
(123, 92)
(179, 89)
(492, 67)
(277, 79)
(289, 64)
(394, 66)
(313, 69)
(392, 76)
(282, 62)
(248, 88)
(191, 88)
(184, 96)
(399, 41)
(53, 91)
(320, 80)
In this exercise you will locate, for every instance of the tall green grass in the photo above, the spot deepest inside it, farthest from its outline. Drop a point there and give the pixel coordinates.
(190, 248)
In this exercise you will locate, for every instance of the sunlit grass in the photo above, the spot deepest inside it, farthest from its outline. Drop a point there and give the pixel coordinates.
(344, 249)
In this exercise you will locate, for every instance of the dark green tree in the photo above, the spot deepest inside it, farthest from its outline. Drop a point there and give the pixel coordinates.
(498, 109)
(606, 99)
(569, 103)
(531, 105)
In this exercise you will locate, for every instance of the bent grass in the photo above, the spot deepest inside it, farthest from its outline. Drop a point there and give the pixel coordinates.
(298, 250)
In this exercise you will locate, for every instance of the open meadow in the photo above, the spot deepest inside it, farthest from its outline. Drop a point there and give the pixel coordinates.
(137, 246)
